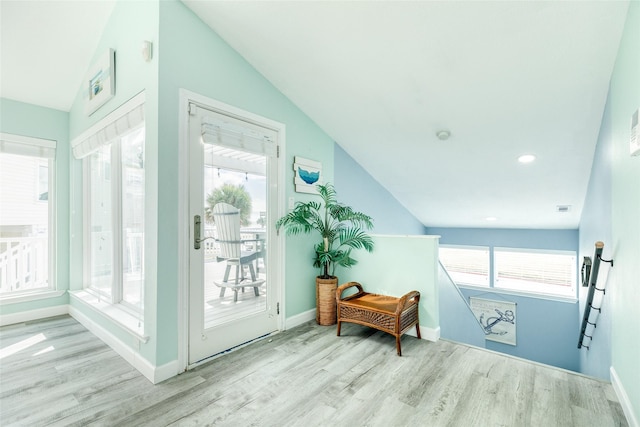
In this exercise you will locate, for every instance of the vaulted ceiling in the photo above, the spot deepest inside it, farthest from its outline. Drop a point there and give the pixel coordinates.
(383, 78)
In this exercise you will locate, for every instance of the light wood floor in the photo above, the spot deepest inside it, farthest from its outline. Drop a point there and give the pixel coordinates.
(55, 372)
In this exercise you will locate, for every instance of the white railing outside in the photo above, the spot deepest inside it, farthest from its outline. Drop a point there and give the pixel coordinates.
(23, 264)
(253, 236)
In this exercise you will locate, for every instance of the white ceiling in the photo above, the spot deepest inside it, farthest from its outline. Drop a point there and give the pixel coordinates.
(381, 78)
(46, 48)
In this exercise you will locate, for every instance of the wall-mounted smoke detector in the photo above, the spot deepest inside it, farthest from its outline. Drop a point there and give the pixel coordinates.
(443, 135)
(563, 208)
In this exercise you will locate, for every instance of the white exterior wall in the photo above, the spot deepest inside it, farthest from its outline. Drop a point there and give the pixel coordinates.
(19, 204)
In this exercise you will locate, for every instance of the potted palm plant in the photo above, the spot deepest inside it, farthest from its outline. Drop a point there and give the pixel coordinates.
(341, 229)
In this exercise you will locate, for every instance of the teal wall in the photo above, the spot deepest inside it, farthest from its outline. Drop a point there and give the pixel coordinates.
(130, 23)
(39, 122)
(187, 54)
(397, 265)
(194, 58)
(624, 277)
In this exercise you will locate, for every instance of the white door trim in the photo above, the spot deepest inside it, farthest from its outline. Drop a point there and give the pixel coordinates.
(186, 97)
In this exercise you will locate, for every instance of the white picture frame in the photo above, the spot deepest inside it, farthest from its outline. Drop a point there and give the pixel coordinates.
(307, 175)
(99, 84)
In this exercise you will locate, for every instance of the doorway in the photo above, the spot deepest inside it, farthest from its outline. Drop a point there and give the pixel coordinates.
(234, 288)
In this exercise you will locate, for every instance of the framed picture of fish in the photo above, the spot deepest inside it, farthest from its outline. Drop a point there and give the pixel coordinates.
(308, 174)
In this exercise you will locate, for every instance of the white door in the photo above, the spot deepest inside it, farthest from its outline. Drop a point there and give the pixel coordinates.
(233, 294)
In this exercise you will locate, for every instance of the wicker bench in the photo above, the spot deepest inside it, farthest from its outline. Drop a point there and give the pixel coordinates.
(392, 315)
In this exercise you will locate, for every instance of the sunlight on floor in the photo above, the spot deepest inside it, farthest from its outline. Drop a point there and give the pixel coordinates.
(19, 346)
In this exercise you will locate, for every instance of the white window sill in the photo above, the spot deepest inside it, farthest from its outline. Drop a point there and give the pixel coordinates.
(114, 312)
(30, 296)
(558, 298)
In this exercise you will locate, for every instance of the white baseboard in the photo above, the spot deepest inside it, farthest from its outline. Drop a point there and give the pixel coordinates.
(27, 316)
(625, 402)
(155, 374)
(166, 371)
(428, 334)
(299, 319)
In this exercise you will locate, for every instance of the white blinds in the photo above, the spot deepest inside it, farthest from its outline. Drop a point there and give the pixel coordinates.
(550, 268)
(124, 119)
(26, 146)
(466, 265)
(242, 135)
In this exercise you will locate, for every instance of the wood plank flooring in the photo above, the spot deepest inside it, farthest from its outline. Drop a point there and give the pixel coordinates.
(55, 373)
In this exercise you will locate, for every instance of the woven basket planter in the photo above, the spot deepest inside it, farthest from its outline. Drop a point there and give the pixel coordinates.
(326, 301)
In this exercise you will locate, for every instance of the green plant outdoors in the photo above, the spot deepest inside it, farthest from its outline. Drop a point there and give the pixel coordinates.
(339, 226)
(235, 195)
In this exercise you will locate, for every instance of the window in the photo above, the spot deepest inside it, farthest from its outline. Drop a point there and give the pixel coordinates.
(466, 264)
(547, 272)
(114, 205)
(544, 272)
(26, 215)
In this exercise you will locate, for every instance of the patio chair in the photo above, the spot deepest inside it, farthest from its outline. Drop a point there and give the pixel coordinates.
(227, 220)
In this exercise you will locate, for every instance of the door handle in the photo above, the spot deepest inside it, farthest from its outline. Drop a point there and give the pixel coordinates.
(197, 225)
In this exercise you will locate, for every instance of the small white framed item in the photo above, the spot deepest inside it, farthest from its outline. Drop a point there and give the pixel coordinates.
(100, 83)
(498, 319)
(308, 174)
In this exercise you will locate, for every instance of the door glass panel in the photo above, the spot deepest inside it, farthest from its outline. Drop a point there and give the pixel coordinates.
(235, 206)
(132, 149)
(233, 285)
(100, 212)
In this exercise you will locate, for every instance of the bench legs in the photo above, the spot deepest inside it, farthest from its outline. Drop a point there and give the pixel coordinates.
(339, 323)
(398, 337)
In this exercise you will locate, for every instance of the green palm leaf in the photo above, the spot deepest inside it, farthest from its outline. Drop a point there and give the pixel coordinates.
(340, 228)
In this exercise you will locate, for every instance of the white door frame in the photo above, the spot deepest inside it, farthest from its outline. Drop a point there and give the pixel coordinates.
(185, 97)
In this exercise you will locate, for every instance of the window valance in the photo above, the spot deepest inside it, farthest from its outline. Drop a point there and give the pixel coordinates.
(124, 119)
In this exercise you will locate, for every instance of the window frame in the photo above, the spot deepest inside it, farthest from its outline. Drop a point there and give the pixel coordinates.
(572, 296)
(43, 151)
(117, 125)
(117, 249)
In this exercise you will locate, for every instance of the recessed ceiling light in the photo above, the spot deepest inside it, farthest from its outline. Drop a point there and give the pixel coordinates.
(526, 158)
(491, 218)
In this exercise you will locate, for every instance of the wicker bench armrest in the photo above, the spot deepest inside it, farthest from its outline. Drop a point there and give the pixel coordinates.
(406, 299)
(345, 286)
